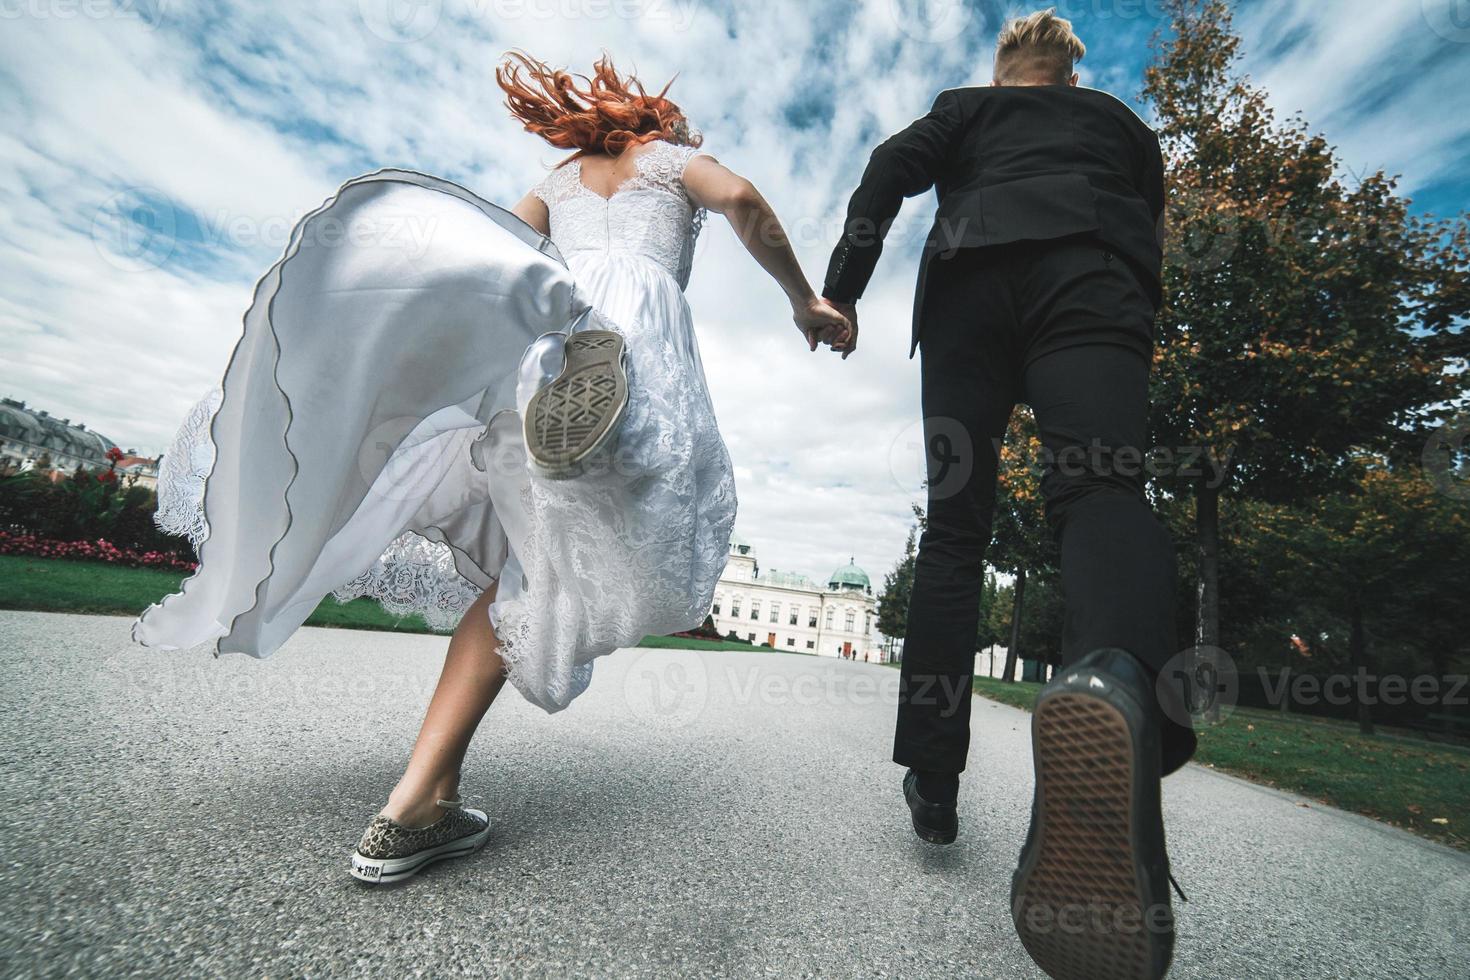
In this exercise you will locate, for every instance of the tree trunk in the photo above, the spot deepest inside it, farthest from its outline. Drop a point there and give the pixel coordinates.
(1358, 647)
(1207, 615)
(1016, 606)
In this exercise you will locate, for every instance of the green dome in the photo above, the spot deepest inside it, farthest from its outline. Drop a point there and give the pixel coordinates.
(740, 546)
(849, 577)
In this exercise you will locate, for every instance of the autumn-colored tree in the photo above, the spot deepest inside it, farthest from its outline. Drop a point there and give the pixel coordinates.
(1306, 317)
(1021, 542)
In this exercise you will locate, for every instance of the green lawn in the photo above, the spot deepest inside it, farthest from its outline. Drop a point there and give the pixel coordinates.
(52, 585)
(1405, 782)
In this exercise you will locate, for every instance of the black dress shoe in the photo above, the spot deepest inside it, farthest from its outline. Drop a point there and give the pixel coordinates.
(1091, 895)
(937, 823)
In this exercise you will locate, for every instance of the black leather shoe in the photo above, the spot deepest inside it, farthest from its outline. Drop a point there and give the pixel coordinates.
(1090, 897)
(937, 823)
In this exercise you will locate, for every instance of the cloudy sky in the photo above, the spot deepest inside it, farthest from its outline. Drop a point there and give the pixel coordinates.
(154, 155)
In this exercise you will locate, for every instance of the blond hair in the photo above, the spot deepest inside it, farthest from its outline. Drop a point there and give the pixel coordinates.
(1037, 48)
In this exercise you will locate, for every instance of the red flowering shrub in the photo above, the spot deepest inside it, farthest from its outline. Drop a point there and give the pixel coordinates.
(99, 550)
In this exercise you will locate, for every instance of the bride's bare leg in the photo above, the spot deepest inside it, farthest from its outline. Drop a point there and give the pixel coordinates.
(473, 675)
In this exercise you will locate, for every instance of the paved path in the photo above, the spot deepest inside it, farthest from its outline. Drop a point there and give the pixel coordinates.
(710, 814)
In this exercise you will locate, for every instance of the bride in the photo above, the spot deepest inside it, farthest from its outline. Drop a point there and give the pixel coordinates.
(501, 420)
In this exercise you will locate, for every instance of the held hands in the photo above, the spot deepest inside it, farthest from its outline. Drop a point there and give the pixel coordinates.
(822, 322)
(848, 310)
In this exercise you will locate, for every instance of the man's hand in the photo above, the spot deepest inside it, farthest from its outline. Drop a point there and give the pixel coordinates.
(849, 344)
(820, 323)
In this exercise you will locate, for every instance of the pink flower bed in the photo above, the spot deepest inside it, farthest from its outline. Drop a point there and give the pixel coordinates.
(99, 550)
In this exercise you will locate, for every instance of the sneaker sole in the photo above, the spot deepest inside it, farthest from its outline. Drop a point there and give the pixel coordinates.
(1081, 900)
(571, 417)
(378, 870)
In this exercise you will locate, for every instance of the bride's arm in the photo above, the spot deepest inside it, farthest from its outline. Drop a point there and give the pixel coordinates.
(718, 189)
(532, 210)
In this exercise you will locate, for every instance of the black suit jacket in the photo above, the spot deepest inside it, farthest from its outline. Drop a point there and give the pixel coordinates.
(1012, 163)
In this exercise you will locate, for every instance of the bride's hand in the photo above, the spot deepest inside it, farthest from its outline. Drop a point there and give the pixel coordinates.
(820, 323)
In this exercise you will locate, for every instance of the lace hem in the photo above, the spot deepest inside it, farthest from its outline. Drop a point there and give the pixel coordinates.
(415, 576)
(183, 471)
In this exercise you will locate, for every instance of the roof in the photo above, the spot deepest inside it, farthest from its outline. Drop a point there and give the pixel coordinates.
(849, 576)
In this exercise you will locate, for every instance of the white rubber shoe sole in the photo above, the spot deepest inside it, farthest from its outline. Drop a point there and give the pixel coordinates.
(379, 870)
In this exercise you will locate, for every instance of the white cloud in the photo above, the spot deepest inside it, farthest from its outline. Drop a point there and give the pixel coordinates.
(248, 113)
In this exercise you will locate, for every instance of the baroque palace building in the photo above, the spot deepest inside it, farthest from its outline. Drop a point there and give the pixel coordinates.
(30, 437)
(791, 612)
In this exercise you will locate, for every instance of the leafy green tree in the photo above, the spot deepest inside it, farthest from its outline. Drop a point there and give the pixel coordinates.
(1388, 557)
(1307, 318)
(898, 589)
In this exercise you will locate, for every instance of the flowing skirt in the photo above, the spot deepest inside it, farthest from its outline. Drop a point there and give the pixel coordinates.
(366, 440)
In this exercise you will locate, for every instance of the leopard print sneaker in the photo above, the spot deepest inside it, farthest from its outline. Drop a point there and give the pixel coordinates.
(389, 851)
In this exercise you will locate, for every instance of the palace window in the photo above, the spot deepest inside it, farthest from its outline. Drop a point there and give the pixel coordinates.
(775, 612)
(811, 644)
(811, 618)
(735, 606)
(716, 610)
(829, 618)
(791, 641)
(851, 620)
(755, 609)
(793, 617)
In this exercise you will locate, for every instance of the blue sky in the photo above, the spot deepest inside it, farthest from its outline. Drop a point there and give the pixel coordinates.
(154, 156)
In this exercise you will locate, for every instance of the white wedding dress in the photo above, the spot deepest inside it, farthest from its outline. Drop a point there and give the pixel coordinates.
(366, 439)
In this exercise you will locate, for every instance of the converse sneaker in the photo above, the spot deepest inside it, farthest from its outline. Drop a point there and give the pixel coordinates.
(389, 851)
(571, 417)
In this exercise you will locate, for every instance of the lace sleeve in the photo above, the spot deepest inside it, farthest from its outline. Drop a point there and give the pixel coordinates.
(543, 190)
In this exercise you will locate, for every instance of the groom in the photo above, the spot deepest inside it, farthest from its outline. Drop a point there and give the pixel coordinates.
(1039, 283)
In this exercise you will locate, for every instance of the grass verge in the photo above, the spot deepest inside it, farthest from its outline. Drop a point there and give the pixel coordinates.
(1407, 783)
(55, 585)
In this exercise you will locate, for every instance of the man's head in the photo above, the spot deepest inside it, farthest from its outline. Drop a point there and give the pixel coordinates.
(1039, 49)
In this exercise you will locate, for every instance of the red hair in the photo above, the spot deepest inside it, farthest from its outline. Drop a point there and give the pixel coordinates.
(607, 114)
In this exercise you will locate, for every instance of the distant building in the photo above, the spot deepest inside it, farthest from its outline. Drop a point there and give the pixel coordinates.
(28, 436)
(787, 611)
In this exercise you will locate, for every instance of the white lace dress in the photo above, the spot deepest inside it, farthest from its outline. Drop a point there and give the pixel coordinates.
(366, 438)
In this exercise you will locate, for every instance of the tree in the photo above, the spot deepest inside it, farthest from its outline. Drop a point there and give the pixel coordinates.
(986, 634)
(898, 589)
(1305, 320)
(1388, 557)
(1021, 543)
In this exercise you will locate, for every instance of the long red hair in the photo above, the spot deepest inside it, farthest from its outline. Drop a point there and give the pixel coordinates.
(607, 113)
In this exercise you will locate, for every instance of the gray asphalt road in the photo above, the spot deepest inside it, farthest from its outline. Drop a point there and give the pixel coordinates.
(711, 814)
